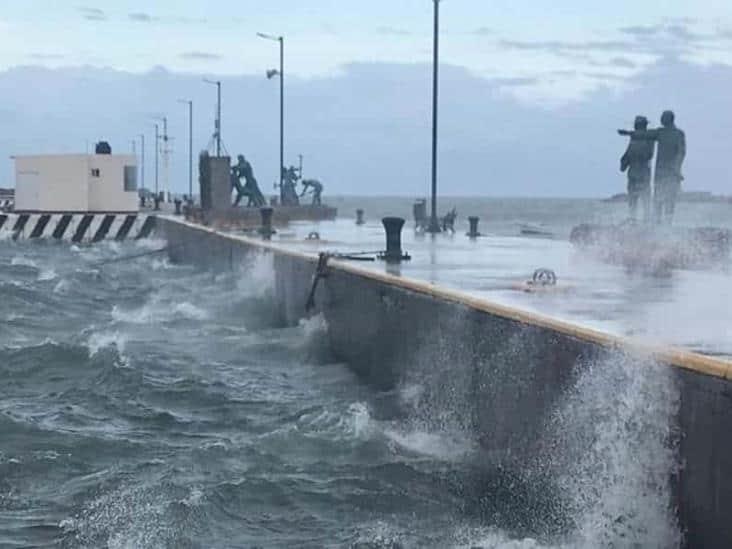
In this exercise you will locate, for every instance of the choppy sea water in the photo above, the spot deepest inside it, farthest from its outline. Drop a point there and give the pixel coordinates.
(144, 404)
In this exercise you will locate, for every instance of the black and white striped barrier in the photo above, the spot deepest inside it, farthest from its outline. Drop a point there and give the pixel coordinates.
(76, 227)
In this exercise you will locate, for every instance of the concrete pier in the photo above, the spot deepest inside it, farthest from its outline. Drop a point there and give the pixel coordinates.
(508, 369)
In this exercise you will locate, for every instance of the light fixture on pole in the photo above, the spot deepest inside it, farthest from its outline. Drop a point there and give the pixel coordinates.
(271, 74)
(165, 152)
(217, 123)
(157, 151)
(142, 160)
(434, 225)
(190, 146)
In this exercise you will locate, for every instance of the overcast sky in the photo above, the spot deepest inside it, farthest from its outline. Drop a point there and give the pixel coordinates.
(523, 67)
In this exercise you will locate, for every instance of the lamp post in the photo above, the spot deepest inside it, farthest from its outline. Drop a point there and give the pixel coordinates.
(217, 123)
(434, 226)
(165, 152)
(142, 160)
(190, 146)
(281, 73)
(157, 141)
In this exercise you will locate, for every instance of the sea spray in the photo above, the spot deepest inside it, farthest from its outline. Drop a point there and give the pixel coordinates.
(613, 452)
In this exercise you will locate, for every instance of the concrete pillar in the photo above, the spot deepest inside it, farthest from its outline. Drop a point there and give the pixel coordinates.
(215, 181)
(266, 229)
(393, 227)
(473, 232)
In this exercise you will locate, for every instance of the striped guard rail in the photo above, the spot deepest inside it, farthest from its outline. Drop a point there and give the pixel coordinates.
(76, 227)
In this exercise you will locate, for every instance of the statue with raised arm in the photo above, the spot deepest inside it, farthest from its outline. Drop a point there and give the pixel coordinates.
(671, 151)
(316, 189)
(637, 163)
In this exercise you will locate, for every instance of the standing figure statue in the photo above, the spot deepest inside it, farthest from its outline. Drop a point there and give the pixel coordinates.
(317, 190)
(637, 162)
(243, 170)
(289, 182)
(670, 155)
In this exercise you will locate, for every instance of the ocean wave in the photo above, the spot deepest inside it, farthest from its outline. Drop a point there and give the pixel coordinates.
(157, 311)
(23, 262)
(99, 341)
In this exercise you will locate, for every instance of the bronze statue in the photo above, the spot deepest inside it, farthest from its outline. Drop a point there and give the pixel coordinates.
(670, 155)
(289, 182)
(317, 190)
(243, 170)
(636, 161)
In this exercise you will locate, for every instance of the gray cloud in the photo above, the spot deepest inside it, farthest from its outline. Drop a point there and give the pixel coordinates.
(558, 46)
(46, 56)
(515, 81)
(93, 14)
(642, 31)
(141, 17)
(623, 63)
(200, 56)
(392, 31)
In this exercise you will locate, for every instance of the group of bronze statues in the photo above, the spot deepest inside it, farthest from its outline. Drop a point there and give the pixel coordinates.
(242, 170)
(669, 143)
(290, 178)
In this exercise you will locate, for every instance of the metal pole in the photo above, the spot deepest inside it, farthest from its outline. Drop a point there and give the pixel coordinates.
(282, 115)
(157, 141)
(218, 119)
(142, 160)
(190, 151)
(166, 190)
(434, 226)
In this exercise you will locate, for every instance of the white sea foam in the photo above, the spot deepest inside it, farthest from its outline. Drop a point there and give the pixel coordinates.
(441, 446)
(314, 326)
(99, 341)
(46, 275)
(62, 287)
(158, 311)
(21, 260)
(615, 452)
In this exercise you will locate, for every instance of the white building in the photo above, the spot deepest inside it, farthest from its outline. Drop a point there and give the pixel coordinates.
(76, 183)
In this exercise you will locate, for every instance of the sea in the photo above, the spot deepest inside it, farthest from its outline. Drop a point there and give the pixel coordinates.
(150, 405)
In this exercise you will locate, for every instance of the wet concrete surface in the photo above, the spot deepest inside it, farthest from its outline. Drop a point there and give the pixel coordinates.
(685, 308)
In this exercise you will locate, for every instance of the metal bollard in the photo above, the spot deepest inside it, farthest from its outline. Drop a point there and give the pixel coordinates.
(359, 217)
(393, 227)
(473, 232)
(266, 229)
(177, 203)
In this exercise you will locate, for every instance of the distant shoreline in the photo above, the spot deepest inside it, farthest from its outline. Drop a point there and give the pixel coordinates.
(689, 196)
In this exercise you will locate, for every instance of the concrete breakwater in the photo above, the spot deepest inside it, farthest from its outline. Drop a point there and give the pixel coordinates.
(632, 437)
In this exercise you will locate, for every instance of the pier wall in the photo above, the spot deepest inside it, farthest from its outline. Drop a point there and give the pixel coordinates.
(503, 371)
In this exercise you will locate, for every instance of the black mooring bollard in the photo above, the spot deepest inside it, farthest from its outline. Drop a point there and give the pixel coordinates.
(266, 229)
(359, 217)
(473, 220)
(393, 227)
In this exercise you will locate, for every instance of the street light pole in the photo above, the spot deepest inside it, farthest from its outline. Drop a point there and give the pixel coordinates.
(142, 160)
(190, 146)
(281, 40)
(434, 226)
(282, 112)
(157, 141)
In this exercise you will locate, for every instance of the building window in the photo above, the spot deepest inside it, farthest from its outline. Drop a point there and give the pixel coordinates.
(130, 178)
(95, 172)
